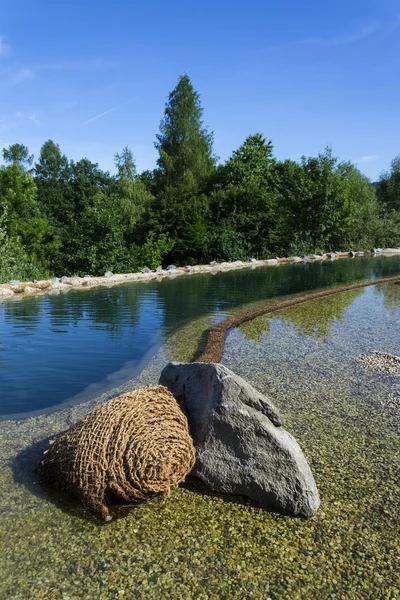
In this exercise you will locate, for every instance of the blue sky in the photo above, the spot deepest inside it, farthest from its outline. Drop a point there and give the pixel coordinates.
(94, 76)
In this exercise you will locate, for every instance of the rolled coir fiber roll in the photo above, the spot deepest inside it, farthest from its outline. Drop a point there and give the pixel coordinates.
(130, 448)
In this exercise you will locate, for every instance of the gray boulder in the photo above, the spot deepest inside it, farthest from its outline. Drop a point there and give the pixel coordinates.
(14, 282)
(159, 269)
(108, 274)
(239, 445)
(54, 280)
(171, 268)
(145, 271)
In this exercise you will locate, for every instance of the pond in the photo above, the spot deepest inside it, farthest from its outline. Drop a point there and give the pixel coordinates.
(202, 545)
(68, 348)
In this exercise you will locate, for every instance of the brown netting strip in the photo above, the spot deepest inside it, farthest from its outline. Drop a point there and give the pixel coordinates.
(130, 448)
(215, 339)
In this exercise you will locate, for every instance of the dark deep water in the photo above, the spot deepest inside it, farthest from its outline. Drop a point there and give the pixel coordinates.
(53, 347)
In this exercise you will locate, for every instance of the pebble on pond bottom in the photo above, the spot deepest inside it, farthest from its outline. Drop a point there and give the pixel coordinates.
(202, 545)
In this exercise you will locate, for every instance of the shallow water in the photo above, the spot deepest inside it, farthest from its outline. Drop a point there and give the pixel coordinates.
(206, 546)
(72, 347)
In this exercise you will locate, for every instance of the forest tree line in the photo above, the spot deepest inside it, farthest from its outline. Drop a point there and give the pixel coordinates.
(61, 217)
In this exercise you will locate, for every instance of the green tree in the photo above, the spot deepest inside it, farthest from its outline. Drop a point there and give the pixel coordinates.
(14, 263)
(389, 187)
(184, 144)
(251, 163)
(245, 200)
(132, 195)
(18, 155)
(25, 222)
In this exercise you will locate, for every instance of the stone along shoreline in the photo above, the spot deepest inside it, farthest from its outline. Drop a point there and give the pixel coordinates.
(14, 289)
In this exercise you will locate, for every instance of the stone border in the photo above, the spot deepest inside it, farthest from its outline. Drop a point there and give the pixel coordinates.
(56, 285)
(216, 335)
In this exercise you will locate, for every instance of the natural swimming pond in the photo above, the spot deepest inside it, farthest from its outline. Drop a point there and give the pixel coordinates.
(201, 545)
(70, 347)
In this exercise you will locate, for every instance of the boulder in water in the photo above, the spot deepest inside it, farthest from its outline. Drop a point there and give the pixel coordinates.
(240, 446)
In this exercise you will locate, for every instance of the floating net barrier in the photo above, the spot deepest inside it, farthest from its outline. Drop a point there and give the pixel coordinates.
(130, 448)
(215, 339)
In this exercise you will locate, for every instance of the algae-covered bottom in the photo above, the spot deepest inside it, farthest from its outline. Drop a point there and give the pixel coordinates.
(201, 545)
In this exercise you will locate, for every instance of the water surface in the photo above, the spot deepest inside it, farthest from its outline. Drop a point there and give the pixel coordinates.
(69, 347)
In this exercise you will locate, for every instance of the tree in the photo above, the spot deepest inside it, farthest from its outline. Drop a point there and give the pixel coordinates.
(18, 155)
(184, 144)
(52, 173)
(14, 262)
(245, 200)
(25, 222)
(131, 194)
(389, 187)
(252, 162)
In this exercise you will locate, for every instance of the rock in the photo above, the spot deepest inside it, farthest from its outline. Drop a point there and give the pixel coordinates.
(108, 274)
(54, 280)
(6, 292)
(65, 278)
(188, 267)
(213, 263)
(320, 254)
(30, 290)
(158, 269)
(238, 262)
(87, 276)
(240, 448)
(360, 253)
(352, 254)
(252, 260)
(171, 268)
(145, 271)
(14, 282)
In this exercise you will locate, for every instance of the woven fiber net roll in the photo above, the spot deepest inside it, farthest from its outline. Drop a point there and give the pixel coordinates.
(130, 448)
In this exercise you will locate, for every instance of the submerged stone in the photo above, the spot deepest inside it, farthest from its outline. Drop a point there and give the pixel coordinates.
(240, 447)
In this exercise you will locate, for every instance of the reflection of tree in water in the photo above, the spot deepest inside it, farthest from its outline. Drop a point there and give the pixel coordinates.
(314, 318)
(113, 309)
(201, 294)
(183, 299)
(391, 295)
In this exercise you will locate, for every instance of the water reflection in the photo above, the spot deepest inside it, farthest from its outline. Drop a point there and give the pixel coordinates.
(52, 347)
(316, 318)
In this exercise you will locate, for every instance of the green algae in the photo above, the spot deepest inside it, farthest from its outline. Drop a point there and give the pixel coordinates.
(198, 544)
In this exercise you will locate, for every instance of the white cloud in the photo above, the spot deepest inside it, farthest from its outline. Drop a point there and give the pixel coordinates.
(350, 38)
(357, 35)
(5, 49)
(366, 159)
(21, 75)
(33, 117)
(106, 112)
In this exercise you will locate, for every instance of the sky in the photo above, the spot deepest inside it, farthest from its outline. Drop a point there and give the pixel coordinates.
(94, 75)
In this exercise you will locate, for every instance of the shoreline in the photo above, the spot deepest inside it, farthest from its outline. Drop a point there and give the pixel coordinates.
(55, 285)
